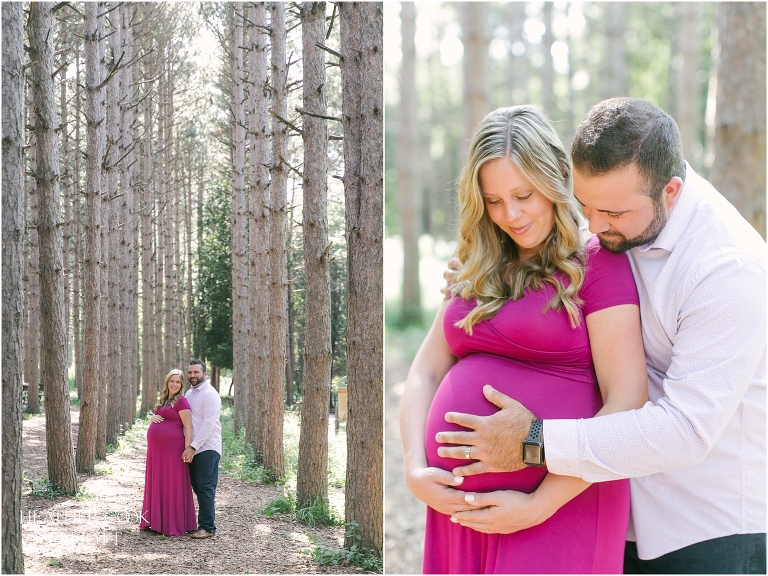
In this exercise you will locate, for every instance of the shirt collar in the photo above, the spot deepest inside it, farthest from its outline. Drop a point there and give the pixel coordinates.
(679, 217)
(201, 386)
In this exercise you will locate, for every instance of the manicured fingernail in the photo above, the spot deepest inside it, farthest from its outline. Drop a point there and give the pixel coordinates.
(458, 479)
(469, 497)
(454, 520)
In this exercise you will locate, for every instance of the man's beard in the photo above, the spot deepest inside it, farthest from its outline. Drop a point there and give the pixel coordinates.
(195, 383)
(617, 243)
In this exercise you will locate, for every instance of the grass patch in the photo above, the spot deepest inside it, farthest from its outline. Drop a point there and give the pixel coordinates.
(355, 555)
(237, 460)
(53, 562)
(285, 504)
(319, 513)
(45, 489)
(84, 494)
(102, 469)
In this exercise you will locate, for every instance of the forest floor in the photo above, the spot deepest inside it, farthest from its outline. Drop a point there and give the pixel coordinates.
(97, 531)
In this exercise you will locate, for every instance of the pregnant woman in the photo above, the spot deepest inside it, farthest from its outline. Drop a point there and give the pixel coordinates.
(168, 506)
(547, 319)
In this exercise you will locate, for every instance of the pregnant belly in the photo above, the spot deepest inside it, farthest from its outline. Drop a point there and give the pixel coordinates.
(165, 433)
(546, 390)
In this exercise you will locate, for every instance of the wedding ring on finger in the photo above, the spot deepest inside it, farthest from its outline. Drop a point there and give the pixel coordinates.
(467, 450)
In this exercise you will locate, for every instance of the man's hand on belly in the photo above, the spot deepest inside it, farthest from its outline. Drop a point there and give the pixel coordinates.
(495, 441)
(502, 512)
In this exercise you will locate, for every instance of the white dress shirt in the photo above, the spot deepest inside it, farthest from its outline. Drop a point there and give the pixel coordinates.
(205, 403)
(696, 451)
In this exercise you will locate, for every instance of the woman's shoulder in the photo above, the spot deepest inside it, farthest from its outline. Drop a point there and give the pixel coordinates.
(608, 279)
(181, 403)
(597, 257)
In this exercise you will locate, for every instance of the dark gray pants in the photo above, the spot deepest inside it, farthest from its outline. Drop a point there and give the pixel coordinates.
(204, 474)
(737, 554)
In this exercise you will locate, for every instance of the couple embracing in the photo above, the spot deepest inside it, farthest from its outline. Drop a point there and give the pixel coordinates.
(183, 453)
(560, 367)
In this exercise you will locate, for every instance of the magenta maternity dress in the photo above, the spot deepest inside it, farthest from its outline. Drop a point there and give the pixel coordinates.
(168, 505)
(538, 359)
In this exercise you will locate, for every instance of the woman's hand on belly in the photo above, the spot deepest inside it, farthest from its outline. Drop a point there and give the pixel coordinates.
(500, 512)
(434, 487)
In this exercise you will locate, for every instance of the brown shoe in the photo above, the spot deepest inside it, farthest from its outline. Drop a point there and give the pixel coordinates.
(202, 533)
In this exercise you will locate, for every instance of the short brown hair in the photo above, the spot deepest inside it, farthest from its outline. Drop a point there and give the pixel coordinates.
(620, 131)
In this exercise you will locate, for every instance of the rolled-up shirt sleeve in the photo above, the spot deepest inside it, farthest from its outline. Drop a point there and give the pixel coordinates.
(716, 350)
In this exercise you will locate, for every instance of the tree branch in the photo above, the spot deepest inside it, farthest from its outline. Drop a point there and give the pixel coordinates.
(284, 121)
(303, 178)
(322, 117)
(329, 50)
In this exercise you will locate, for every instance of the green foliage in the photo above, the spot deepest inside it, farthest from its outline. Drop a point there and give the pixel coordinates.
(53, 562)
(319, 512)
(102, 469)
(355, 555)
(45, 489)
(84, 494)
(237, 459)
(285, 504)
(213, 300)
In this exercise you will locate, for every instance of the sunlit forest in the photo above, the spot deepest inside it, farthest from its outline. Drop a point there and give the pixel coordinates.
(449, 64)
(193, 181)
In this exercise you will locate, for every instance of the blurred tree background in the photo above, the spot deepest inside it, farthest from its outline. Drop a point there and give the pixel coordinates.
(449, 64)
(463, 60)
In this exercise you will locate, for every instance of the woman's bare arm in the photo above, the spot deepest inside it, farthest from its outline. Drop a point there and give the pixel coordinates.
(186, 419)
(431, 485)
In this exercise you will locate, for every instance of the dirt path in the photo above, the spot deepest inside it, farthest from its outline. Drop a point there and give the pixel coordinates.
(100, 534)
(404, 515)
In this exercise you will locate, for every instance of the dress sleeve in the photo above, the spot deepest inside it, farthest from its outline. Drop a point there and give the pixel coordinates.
(182, 404)
(608, 279)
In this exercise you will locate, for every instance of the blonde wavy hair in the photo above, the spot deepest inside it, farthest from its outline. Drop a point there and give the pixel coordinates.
(165, 396)
(492, 273)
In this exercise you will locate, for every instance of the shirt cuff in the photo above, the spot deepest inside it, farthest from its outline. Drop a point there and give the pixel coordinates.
(561, 446)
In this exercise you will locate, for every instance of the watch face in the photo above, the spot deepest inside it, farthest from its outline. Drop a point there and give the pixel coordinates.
(532, 454)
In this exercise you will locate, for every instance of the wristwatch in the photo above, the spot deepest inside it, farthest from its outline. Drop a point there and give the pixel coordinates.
(533, 446)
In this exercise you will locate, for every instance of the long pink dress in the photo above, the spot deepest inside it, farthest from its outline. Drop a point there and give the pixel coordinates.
(168, 505)
(538, 359)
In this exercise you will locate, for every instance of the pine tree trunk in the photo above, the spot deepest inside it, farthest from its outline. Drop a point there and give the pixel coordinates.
(517, 75)
(149, 372)
(614, 74)
(109, 413)
(688, 116)
(53, 321)
(32, 273)
(362, 113)
(96, 146)
(475, 63)
(260, 238)
(128, 277)
(13, 269)
(161, 356)
(77, 297)
(66, 188)
(239, 224)
(548, 68)
(408, 184)
(738, 171)
(278, 232)
(312, 479)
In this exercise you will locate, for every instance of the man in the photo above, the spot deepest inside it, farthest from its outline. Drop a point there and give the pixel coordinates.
(696, 451)
(204, 452)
